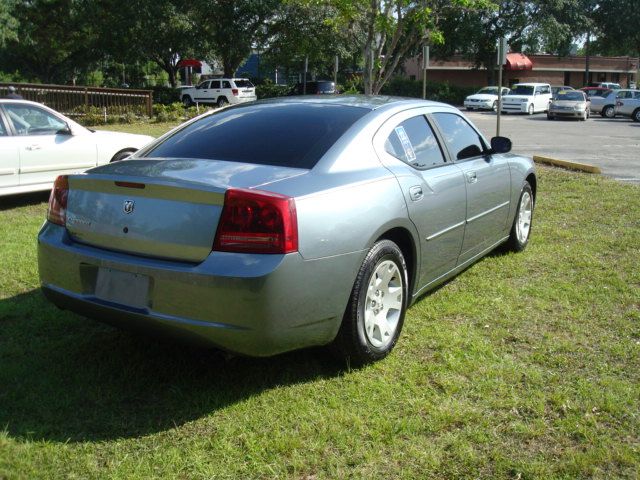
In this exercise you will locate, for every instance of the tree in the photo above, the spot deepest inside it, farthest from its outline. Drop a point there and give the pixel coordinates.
(8, 22)
(163, 31)
(617, 21)
(392, 30)
(298, 31)
(46, 49)
(232, 27)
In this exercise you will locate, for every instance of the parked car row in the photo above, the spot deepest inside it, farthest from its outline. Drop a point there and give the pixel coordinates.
(560, 101)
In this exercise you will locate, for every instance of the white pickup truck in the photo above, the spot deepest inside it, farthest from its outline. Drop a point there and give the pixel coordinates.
(219, 91)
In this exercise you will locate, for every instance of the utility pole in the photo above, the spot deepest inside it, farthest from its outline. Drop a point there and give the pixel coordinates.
(502, 59)
(304, 80)
(425, 64)
(335, 72)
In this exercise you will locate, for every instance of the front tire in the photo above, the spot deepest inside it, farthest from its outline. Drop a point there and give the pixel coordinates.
(122, 155)
(521, 228)
(375, 314)
(530, 110)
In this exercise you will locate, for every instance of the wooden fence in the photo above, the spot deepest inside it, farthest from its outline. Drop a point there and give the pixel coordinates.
(73, 101)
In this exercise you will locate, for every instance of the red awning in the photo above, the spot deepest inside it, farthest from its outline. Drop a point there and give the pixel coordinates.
(189, 62)
(518, 61)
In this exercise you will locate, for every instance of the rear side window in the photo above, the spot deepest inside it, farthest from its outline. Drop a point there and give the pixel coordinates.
(215, 84)
(226, 84)
(286, 134)
(462, 140)
(243, 84)
(414, 143)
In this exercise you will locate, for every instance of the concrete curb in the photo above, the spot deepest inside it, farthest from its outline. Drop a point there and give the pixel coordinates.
(582, 167)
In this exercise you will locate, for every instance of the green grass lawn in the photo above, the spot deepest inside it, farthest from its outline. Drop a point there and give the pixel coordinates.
(526, 366)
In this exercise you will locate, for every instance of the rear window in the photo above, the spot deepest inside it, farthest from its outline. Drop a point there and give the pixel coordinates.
(286, 134)
(243, 83)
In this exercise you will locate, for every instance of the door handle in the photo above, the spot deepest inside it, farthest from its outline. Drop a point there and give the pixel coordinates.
(416, 193)
(472, 177)
(35, 146)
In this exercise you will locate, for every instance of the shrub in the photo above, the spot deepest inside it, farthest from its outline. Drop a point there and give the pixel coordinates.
(165, 95)
(438, 91)
(268, 89)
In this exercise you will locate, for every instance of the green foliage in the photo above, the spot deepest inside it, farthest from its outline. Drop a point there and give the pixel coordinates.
(8, 22)
(176, 112)
(437, 91)
(268, 90)
(165, 95)
(91, 115)
(525, 366)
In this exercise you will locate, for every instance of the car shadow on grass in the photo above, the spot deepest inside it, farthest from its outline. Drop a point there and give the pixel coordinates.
(66, 378)
(22, 200)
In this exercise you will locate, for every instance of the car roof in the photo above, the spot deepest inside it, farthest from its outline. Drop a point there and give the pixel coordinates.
(531, 84)
(369, 102)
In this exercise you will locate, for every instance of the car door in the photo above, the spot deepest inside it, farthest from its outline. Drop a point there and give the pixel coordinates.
(202, 91)
(9, 159)
(46, 147)
(488, 184)
(434, 190)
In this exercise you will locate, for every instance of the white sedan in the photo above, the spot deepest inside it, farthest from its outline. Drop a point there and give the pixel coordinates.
(37, 144)
(484, 99)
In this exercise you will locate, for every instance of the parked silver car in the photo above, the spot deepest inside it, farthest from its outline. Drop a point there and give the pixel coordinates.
(629, 107)
(569, 104)
(320, 227)
(606, 104)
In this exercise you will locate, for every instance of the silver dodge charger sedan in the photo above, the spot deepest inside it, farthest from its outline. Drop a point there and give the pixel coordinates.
(287, 223)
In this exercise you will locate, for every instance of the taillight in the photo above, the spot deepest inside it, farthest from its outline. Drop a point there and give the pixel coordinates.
(57, 212)
(257, 222)
(234, 91)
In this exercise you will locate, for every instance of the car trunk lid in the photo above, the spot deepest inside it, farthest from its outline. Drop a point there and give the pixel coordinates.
(159, 208)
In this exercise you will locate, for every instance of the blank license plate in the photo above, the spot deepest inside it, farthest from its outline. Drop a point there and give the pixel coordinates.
(125, 288)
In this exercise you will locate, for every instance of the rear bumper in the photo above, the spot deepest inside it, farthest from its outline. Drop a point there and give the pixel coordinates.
(236, 100)
(256, 305)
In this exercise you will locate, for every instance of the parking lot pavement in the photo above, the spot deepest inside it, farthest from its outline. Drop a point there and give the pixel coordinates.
(611, 144)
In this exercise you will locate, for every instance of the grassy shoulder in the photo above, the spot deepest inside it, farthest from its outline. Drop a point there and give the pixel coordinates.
(524, 366)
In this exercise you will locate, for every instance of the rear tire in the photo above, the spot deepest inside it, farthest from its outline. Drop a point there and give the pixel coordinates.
(608, 111)
(186, 101)
(635, 116)
(521, 228)
(222, 101)
(375, 313)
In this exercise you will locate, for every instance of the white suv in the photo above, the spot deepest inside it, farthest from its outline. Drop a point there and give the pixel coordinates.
(219, 91)
(527, 98)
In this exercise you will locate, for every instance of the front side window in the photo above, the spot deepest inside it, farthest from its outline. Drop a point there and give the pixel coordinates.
(215, 84)
(30, 120)
(414, 143)
(462, 140)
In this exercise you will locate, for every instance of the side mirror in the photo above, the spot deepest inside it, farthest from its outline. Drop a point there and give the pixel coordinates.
(66, 130)
(500, 145)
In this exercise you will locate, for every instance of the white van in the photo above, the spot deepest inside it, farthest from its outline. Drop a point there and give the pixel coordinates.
(527, 98)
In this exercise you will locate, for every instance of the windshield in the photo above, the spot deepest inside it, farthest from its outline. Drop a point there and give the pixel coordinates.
(489, 90)
(570, 95)
(521, 90)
